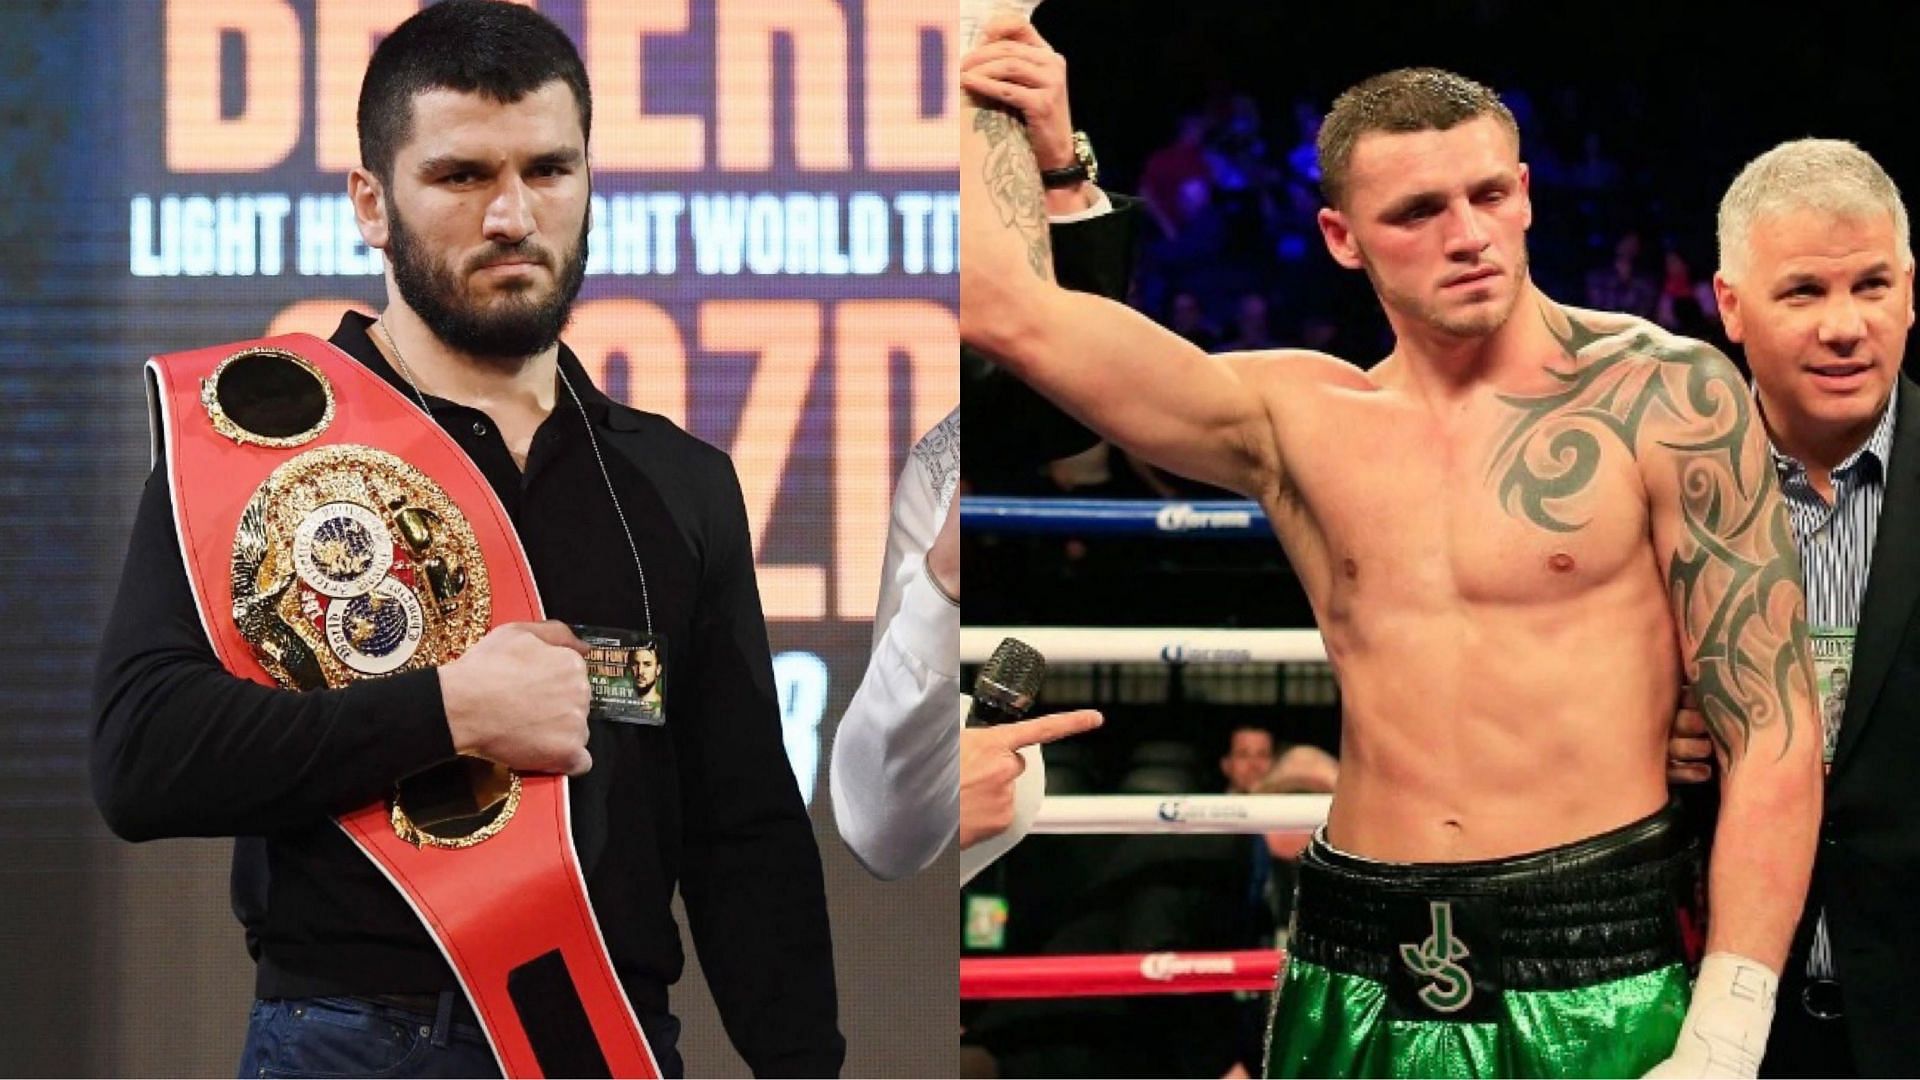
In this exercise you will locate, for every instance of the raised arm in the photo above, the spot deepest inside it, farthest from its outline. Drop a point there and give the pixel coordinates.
(1139, 385)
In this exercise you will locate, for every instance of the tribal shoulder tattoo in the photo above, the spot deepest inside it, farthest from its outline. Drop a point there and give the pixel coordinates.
(1733, 575)
(1013, 183)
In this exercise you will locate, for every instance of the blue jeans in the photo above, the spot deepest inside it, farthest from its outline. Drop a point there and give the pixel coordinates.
(344, 1036)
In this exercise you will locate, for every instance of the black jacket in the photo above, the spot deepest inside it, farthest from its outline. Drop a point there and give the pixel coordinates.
(1867, 872)
(707, 804)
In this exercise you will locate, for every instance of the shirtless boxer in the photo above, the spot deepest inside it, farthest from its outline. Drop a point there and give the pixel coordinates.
(1520, 533)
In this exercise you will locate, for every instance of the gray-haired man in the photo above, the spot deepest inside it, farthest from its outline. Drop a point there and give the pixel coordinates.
(1816, 284)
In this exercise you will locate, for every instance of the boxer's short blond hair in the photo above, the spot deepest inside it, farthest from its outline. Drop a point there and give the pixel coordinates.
(1397, 102)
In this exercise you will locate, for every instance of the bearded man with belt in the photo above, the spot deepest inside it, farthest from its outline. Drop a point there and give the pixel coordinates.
(440, 548)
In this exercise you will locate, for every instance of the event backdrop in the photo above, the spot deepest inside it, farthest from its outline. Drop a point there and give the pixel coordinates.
(772, 266)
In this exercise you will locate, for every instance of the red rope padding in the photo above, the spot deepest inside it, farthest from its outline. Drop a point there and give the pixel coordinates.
(995, 978)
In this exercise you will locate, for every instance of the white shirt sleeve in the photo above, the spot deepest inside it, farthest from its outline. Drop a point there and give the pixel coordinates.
(1101, 205)
(917, 512)
(895, 776)
(895, 771)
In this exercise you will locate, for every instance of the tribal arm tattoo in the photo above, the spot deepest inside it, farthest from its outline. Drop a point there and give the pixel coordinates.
(1733, 572)
(1720, 528)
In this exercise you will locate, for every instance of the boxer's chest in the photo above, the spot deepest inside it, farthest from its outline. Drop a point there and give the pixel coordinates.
(1418, 512)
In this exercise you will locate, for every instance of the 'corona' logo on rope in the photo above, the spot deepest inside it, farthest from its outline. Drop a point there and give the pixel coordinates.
(1183, 654)
(1166, 966)
(1185, 517)
(1219, 808)
(1453, 986)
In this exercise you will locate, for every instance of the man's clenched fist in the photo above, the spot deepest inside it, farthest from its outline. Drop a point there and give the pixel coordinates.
(519, 697)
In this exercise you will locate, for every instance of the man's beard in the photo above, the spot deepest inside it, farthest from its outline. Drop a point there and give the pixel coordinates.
(504, 333)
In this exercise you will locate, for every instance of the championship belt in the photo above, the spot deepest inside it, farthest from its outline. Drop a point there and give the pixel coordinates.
(333, 532)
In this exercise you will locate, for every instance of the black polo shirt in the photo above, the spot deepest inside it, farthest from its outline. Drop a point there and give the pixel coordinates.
(708, 802)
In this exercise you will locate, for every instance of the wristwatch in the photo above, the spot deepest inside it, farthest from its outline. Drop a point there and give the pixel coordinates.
(1085, 167)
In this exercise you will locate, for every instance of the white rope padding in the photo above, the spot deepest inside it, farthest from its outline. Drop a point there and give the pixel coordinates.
(1097, 645)
(1127, 815)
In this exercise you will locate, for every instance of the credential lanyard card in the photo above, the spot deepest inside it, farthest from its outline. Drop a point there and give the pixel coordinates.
(627, 670)
(1832, 670)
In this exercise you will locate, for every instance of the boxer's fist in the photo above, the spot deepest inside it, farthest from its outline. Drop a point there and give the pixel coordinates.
(519, 697)
(976, 14)
(1015, 67)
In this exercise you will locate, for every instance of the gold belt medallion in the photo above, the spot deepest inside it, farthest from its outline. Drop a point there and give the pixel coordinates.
(350, 563)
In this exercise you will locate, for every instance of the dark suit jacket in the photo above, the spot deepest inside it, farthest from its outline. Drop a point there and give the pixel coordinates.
(1867, 873)
(1011, 426)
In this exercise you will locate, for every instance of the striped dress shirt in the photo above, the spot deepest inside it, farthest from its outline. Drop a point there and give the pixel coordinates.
(1836, 551)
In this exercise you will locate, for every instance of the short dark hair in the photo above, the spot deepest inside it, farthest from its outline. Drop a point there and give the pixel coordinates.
(1400, 101)
(501, 50)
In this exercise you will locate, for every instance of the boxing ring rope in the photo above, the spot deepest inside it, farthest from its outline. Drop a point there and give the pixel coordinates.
(1132, 974)
(1117, 974)
(1114, 517)
(1134, 815)
(1133, 517)
(1156, 645)
(1135, 974)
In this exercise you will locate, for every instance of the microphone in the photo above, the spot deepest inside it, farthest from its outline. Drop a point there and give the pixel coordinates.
(1007, 684)
(1002, 693)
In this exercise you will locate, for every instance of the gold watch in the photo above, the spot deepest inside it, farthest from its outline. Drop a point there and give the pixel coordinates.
(1085, 167)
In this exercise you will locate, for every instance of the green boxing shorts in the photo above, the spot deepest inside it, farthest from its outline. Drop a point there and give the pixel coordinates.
(1572, 961)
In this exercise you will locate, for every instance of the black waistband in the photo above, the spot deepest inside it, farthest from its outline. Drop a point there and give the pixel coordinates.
(460, 1010)
(273, 979)
(1583, 913)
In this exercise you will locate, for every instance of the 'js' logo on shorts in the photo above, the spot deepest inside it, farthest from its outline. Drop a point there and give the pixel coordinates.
(1452, 987)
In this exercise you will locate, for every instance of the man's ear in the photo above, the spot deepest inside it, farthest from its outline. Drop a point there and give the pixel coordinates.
(1727, 299)
(1339, 237)
(1526, 196)
(369, 206)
